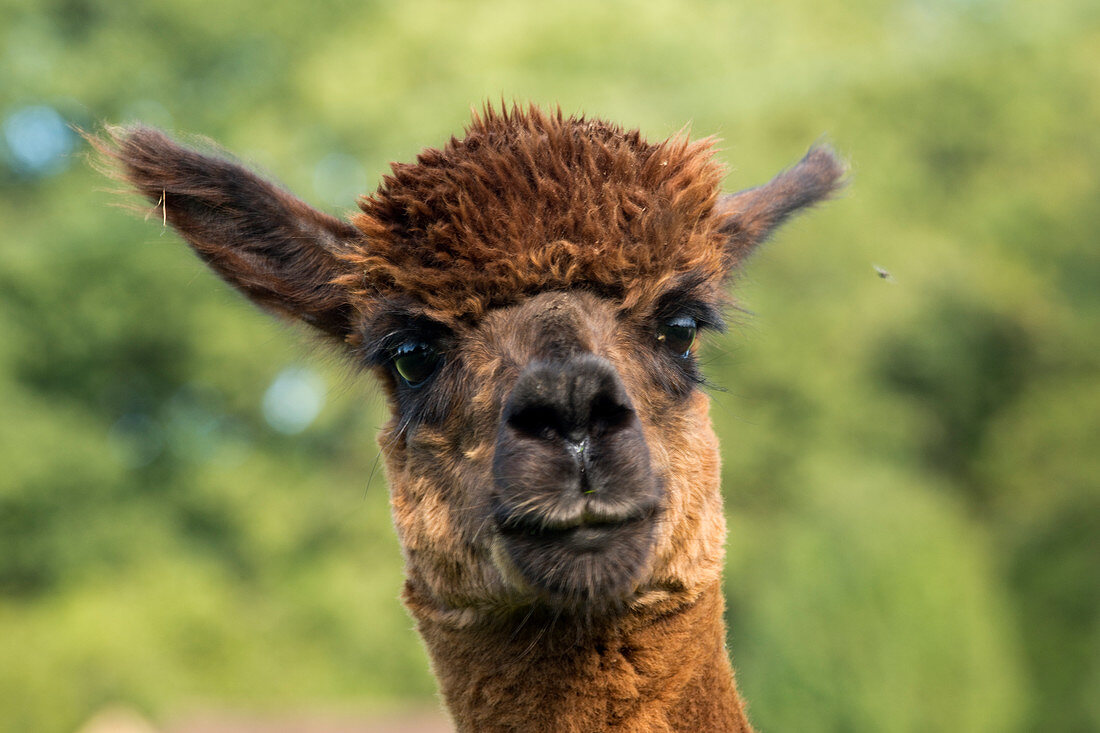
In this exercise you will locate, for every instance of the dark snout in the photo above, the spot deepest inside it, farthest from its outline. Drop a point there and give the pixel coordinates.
(574, 401)
(574, 494)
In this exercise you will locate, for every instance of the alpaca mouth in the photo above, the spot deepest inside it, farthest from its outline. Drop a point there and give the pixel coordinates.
(587, 538)
(590, 527)
(591, 557)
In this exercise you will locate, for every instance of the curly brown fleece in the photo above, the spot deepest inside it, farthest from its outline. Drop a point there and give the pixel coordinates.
(528, 202)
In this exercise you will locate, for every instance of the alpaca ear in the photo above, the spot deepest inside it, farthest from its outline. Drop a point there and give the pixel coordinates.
(274, 248)
(749, 217)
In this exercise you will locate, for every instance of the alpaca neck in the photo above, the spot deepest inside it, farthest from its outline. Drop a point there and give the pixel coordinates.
(646, 671)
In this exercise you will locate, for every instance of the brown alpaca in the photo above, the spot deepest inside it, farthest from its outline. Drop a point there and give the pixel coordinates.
(529, 297)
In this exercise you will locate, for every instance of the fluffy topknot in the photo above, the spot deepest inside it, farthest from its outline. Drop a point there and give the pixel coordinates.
(529, 201)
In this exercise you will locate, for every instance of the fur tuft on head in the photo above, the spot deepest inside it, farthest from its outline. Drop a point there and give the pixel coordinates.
(530, 201)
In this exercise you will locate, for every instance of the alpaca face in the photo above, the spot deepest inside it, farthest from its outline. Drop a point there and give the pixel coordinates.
(556, 451)
(529, 297)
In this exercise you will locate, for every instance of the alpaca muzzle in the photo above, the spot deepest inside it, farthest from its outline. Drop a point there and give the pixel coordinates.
(574, 494)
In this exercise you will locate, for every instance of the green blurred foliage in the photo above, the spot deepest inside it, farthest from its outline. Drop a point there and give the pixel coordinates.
(911, 467)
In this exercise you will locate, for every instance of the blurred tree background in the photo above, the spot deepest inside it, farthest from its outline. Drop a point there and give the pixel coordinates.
(187, 514)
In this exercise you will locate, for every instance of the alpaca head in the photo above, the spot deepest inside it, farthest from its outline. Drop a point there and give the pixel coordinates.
(529, 298)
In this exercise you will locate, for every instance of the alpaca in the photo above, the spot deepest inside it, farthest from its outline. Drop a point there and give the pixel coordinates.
(529, 298)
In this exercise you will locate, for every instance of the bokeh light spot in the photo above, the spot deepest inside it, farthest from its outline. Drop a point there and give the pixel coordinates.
(39, 140)
(294, 400)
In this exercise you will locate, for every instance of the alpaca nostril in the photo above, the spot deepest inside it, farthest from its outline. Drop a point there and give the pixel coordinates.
(607, 414)
(549, 422)
(536, 421)
(570, 401)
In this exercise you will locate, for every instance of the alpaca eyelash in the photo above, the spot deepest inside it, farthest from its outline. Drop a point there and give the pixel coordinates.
(680, 303)
(382, 350)
(678, 306)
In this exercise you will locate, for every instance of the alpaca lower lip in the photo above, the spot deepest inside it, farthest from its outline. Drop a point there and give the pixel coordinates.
(584, 523)
(584, 536)
(590, 537)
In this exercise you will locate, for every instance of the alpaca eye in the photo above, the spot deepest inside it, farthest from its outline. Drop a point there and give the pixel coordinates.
(415, 362)
(678, 334)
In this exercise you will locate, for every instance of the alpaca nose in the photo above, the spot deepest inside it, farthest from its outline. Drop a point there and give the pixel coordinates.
(574, 400)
